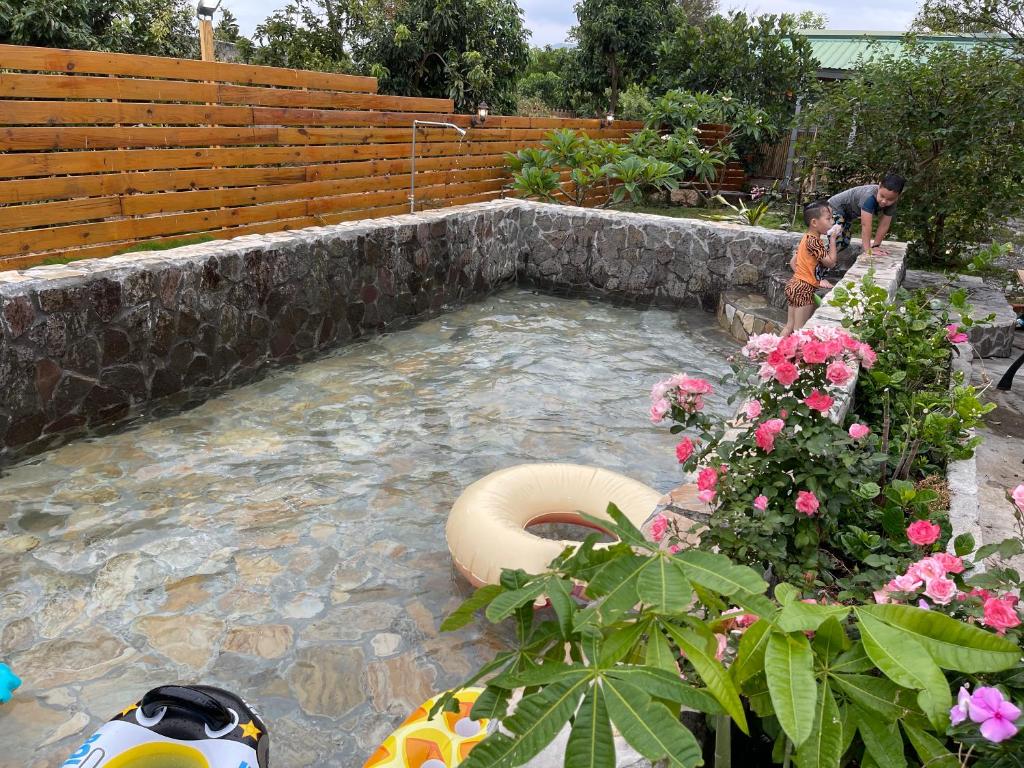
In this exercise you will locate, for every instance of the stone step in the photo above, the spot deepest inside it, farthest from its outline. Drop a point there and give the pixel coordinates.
(745, 314)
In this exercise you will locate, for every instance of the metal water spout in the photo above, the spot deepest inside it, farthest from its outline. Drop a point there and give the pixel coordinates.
(416, 124)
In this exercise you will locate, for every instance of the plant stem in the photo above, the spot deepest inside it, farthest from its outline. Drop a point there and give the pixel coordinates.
(789, 753)
(723, 741)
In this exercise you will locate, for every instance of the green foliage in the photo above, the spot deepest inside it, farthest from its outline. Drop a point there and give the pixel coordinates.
(313, 34)
(617, 42)
(924, 421)
(634, 103)
(153, 27)
(1002, 16)
(944, 118)
(684, 111)
(762, 61)
(642, 646)
(466, 50)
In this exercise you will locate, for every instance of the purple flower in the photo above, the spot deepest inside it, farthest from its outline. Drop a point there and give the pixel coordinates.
(959, 713)
(995, 713)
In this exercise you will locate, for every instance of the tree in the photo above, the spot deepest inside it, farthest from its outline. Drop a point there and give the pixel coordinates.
(465, 50)
(227, 28)
(1005, 16)
(309, 34)
(618, 41)
(948, 120)
(763, 61)
(154, 27)
(811, 20)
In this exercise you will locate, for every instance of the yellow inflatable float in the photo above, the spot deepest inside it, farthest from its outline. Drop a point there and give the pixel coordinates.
(440, 742)
(487, 527)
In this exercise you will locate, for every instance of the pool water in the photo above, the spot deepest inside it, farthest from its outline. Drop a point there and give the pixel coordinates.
(285, 540)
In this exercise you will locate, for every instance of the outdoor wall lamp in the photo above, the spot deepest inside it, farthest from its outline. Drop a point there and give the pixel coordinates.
(207, 8)
(609, 118)
(482, 111)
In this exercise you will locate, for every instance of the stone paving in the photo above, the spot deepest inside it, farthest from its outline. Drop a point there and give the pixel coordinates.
(285, 539)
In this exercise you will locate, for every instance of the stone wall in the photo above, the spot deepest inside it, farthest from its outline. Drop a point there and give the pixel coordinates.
(92, 343)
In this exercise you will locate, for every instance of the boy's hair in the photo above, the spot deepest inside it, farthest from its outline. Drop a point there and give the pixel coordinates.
(894, 183)
(814, 210)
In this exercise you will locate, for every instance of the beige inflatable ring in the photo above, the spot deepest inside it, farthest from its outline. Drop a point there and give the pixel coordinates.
(486, 529)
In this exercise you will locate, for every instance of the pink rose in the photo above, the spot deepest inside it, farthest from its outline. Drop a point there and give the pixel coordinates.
(753, 410)
(674, 548)
(1000, 615)
(694, 386)
(954, 335)
(867, 356)
(786, 374)
(765, 438)
(684, 450)
(941, 590)
(881, 596)
(908, 582)
(707, 479)
(928, 568)
(996, 715)
(949, 562)
(765, 372)
(776, 357)
(923, 533)
(807, 503)
(984, 594)
(814, 352)
(1018, 497)
(761, 503)
(658, 410)
(760, 344)
(788, 345)
(707, 496)
(659, 527)
(858, 431)
(818, 401)
(838, 373)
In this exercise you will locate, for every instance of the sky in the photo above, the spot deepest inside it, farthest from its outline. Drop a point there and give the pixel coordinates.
(549, 20)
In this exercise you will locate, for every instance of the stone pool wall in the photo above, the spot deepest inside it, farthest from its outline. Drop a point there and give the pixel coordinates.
(90, 344)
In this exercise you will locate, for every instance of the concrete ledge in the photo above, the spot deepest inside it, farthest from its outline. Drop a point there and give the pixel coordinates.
(962, 476)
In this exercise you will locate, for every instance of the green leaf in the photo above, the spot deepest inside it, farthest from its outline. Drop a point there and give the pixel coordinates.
(668, 686)
(711, 671)
(760, 699)
(649, 727)
(853, 660)
(786, 593)
(616, 582)
(824, 747)
(875, 694)
(560, 595)
(620, 642)
(663, 586)
(537, 720)
(659, 653)
(882, 738)
(590, 741)
(462, 615)
(719, 573)
(830, 640)
(505, 604)
(539, 674)
(621, 526)
(492, 704)
(905, 661)
(929, 749)
(868, 490)
(951, 643)
(789, 667)
(750, 656)
(799, 616)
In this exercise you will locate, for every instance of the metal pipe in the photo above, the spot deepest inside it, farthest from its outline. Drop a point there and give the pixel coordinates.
(412, 178)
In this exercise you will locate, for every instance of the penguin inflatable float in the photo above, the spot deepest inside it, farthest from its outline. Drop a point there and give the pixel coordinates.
(176, 726)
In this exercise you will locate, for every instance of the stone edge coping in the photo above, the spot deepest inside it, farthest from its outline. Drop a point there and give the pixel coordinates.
(962, 475)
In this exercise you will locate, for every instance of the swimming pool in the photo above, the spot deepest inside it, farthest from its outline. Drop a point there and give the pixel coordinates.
(285, 540)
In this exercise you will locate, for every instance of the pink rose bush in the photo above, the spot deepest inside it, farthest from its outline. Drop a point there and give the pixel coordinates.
(923, 533)
(859, 431)
(807, 503)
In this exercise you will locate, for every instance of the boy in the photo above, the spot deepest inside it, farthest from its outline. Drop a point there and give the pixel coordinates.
(809, 255)
(865, 202)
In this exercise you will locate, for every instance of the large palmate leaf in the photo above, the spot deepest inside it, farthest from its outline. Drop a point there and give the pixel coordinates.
(590, 741)
(649, 727)
(621, 526)
(882, 738)
(559, 592)
(789, 667)
(929, 749)
(540, 674)
(711, 671)
(829, 641)
(852, 661)
(492, 704)
(824, 747)
(615, 584)
(953, 644)
(717, 572)
(505, 604)
(905, 661)
(800, 616)
(537, 720)
(462, 615)
(750, 656)
(663, 586)
(876, 694)
(668, 686)
(658, 652)
(619, 641)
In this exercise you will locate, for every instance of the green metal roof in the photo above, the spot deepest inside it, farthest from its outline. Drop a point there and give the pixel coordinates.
(840, 49)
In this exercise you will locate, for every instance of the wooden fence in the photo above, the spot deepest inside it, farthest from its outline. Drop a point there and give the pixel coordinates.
(101, 153)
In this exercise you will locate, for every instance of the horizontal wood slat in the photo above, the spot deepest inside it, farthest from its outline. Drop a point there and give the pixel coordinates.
(102, 63)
